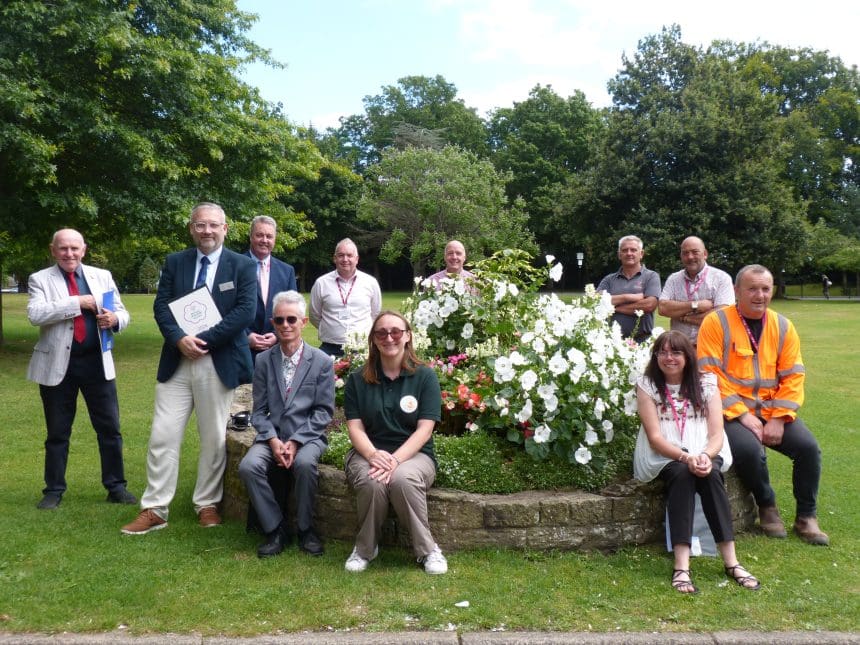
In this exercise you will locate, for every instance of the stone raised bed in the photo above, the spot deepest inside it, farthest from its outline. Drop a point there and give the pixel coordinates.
(623, 514)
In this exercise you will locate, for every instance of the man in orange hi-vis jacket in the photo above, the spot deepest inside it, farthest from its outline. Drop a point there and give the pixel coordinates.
(755, 354)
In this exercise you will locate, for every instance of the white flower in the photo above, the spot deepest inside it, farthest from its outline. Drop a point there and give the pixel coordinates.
(591, 437)
(549, 259)
(583, 455)
(599, 408)
(546, 390)
(528, 380)
(550, 403)
(417, 280)
(468, 330)
(504, 370)
(526, 412)
(555, 272)
(450, 344)
(639, 313)
(514, 291)
(501, 290)
(542, 433)
(557, 365)
(539, 345)
(517, 358)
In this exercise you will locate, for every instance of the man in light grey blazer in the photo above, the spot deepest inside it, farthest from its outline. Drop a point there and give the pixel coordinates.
(77, 309)
(293, 405)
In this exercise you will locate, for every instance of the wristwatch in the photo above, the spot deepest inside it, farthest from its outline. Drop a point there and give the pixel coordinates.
(694, 306)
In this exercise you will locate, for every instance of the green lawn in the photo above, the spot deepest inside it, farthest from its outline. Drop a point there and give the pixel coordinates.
(72, 570)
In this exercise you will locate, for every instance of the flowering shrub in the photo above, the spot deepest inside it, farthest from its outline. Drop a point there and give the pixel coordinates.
(554, 377)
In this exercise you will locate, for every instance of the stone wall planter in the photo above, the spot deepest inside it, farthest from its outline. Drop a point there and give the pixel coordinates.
(623, 514)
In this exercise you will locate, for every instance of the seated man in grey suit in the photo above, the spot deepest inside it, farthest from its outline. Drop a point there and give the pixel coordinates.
(293, 405)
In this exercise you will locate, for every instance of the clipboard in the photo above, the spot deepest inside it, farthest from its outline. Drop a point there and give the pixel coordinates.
(195, 312)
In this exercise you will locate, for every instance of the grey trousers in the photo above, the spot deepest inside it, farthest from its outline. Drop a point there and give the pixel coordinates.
(407, 493)
(254, 469)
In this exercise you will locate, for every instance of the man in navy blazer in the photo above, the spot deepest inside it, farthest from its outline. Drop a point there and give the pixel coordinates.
(293, 406)
(273, 276)
(197, 372)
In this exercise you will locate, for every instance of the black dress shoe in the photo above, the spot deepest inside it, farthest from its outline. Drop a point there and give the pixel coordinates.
(310, 543)
(121, 496)
(274, 544)
(50, 501)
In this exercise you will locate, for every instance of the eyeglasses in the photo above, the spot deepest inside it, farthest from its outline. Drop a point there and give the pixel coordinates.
(290, 320)
(200, 227)
(382, 334)
(675, 353)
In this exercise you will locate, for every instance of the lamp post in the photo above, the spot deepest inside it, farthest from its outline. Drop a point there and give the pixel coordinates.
(580, 257)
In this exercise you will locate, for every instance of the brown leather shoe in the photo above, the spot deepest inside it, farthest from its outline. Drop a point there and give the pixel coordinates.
(208, 517)
(807, 530)
(147, 520)
(771, 523)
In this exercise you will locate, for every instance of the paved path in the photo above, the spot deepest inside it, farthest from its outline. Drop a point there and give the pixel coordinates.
(449, 638)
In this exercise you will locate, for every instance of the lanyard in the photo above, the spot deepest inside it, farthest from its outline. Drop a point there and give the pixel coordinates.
(753, 341)
(345, 299)
(694, 289)
(680, 422)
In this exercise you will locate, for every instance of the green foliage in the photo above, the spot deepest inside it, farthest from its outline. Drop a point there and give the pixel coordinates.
(420, 198)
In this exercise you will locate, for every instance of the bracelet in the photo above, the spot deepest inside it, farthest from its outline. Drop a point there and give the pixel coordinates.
(396, 459)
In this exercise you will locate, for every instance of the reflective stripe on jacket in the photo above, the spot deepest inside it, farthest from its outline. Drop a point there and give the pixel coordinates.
(767, 383)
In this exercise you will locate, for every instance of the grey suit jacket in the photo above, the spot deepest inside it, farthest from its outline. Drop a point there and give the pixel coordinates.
(53, 310)
(303, 413)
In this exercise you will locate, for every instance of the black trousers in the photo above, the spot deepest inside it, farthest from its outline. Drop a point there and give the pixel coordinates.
(85, 375)
(681, 488)
(750, 462)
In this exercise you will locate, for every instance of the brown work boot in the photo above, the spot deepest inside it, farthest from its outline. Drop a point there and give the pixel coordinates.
(771, 522)
(807, 530)
(208, 517)
(147, 520)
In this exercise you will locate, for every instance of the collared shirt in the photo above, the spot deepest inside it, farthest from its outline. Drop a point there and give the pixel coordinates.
(709, 284)
(91, 341)
(289, 364)
(341, 307)
(644, 281)
(212, 269)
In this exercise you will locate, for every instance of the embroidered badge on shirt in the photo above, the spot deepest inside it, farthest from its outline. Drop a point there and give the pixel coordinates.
(408, 404)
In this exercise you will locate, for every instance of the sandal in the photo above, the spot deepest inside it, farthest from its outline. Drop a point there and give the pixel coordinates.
(679, 585)
(741, 579)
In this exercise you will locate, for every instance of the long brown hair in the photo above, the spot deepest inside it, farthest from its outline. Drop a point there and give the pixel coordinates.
(691, 387)
(370, 371)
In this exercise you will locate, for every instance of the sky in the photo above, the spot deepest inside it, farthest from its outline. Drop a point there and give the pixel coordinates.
(337, 52)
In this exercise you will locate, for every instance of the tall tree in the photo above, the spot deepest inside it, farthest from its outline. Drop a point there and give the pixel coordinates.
(692, 147)
(542, 141)
(419, 198)
(115, 117)
(424, 103)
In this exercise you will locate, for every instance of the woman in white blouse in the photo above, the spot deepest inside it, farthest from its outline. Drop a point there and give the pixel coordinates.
(682, 442)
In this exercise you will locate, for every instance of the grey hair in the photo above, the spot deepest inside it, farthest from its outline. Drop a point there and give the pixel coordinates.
(263, 219)
(630, 238)
(751, 268)
(207, 205)
(291, 297)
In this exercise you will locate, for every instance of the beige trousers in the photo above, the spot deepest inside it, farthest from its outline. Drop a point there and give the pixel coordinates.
(407, 493)
(194, 386)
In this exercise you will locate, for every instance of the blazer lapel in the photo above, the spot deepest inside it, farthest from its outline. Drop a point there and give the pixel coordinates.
(301, 372)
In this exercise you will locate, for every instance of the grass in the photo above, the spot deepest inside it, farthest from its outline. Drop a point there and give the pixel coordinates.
(72, 570)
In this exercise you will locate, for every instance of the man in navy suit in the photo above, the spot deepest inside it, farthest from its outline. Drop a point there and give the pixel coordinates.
(197, 372)
(273, 276)
(293, 405)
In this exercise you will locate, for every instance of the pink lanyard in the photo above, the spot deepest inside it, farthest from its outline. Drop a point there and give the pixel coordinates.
(345, 299)
(680, 422)
(692, 291)
(749, 331)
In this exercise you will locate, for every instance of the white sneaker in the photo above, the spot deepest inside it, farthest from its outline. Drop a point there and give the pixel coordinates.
(434, 562)
(356, 563)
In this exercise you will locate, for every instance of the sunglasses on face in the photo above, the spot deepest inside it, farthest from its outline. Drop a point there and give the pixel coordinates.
(290, 320)
(382, 334)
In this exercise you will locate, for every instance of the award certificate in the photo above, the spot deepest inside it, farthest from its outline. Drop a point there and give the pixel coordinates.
(195, 312)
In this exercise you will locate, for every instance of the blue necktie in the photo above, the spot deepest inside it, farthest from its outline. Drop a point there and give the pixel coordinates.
(201, 276)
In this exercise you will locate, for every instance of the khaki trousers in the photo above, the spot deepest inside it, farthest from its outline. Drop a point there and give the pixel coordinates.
(194, 386)
(407, 493)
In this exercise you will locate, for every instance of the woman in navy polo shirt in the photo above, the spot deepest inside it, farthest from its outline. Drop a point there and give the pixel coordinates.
(391, 406)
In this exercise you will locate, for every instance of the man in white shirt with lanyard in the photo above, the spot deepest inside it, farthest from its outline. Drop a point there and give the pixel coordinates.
(692, 293)
(344, 301)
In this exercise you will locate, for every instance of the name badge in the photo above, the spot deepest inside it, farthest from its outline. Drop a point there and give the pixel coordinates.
(226, 286)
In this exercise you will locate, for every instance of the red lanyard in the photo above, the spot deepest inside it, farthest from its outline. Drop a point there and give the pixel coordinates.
(345, 299)
(692, 291)
(753, 341)
(680, 422)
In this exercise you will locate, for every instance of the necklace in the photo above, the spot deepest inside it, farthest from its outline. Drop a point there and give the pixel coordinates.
(680, 420)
